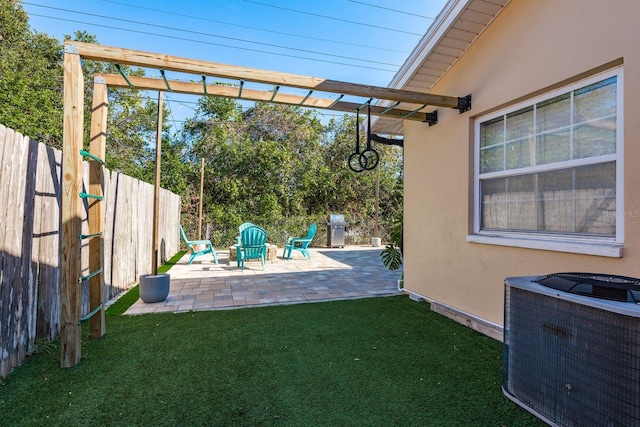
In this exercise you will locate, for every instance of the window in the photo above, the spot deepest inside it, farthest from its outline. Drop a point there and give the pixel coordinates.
(549, 172)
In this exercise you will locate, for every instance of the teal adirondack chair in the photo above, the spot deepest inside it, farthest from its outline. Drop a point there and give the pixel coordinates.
(252, 245)
(194, 247)
(242, 227)
(300, 243)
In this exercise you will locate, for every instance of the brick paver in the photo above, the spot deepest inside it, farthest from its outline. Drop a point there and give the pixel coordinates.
(340, 273)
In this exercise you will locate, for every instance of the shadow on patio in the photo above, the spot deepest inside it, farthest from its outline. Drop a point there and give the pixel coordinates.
(331, 274)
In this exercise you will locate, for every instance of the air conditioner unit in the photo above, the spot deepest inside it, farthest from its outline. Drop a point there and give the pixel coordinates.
(571, 352)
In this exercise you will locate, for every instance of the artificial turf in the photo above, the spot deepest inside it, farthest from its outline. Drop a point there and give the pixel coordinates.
(369, 362)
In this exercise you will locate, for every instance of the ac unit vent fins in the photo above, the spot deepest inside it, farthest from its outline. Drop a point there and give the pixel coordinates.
(571, 352)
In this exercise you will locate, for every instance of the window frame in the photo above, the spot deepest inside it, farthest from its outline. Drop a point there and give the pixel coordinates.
(592, 245)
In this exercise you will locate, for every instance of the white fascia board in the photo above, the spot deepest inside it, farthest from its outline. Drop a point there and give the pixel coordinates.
(444, 21)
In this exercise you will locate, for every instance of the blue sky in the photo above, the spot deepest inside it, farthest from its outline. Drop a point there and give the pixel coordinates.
(360, 41)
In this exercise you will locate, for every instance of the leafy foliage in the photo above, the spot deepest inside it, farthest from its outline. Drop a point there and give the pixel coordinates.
(392, 253)
(31, 80)
(281, 167)
(131, 123)
(30, 77)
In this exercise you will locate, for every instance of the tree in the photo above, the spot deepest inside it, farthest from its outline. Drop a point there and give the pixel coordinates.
(343, 190)
(131, 122)
(281, 167)
(298, 132)
(30, 77)
(215, 122)
(211, 135)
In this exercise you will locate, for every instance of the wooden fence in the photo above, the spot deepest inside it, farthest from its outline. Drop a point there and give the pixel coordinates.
(30, 195)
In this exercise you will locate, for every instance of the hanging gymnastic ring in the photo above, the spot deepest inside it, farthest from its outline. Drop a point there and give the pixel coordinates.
(369, 159)
(354, 163)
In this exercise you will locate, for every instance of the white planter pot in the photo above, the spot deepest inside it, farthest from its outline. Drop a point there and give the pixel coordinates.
(154, 288)
(376, 241)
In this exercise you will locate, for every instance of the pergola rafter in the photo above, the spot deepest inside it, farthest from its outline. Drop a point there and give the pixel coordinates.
(238, 92)
(72, 151)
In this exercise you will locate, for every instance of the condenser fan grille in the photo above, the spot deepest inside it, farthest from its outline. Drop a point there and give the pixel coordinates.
(572, 357)
(609, 287)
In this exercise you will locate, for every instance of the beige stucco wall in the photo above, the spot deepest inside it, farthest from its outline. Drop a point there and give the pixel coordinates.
(532, 45)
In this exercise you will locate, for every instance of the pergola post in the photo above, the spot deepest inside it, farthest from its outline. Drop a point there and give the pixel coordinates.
(201, 194)
(156, 190)
(97, 148)
(70, 293)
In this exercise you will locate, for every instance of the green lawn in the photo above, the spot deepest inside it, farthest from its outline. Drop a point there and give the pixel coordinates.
(376, 361)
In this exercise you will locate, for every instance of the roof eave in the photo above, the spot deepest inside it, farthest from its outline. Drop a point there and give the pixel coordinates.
(443, 22)
(452, 13)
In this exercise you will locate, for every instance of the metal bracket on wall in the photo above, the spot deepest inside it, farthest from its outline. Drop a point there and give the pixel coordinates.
(431, 118)
(464, 104)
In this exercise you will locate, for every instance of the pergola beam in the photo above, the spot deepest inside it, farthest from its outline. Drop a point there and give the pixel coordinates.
(214, 69)
(193, 88)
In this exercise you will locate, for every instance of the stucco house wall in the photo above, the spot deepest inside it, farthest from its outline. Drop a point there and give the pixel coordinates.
(529, 49)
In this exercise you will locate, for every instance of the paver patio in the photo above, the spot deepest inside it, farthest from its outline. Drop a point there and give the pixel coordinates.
(345, 273)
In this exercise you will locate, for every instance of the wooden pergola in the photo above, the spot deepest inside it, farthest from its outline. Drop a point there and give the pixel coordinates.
(73, 153)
